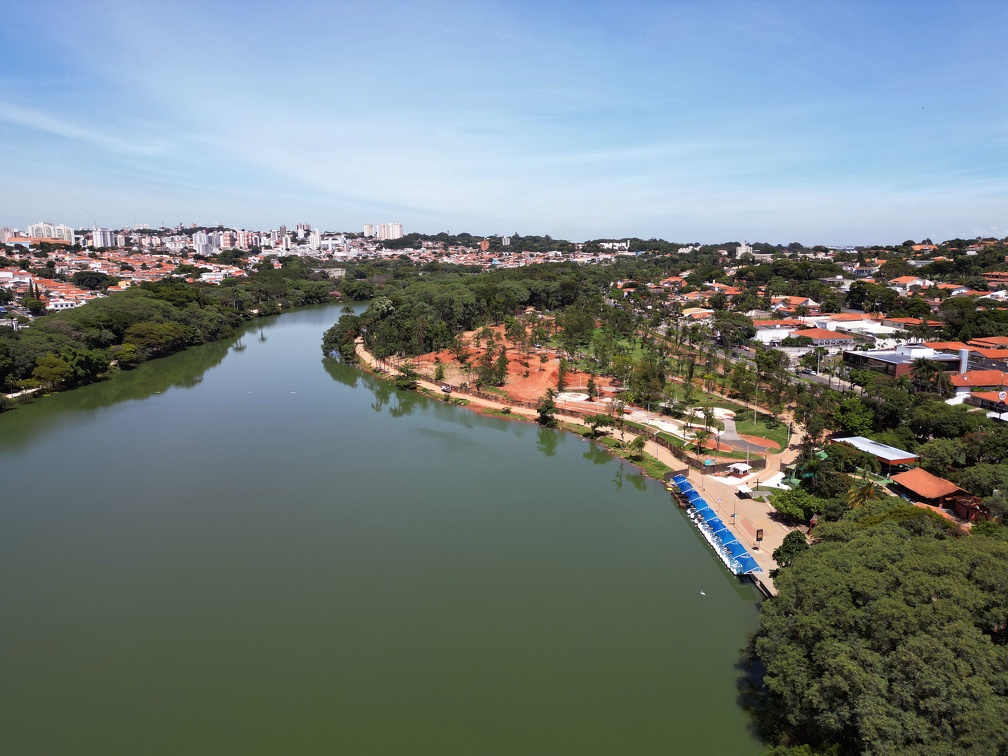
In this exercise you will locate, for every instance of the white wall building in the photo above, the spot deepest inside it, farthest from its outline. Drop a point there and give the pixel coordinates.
(102, 237)
(384, 231)
(45, 230)
(42, 230)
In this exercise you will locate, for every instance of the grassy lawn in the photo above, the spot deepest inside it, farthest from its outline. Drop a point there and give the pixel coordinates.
(674, 440)
(494, 390)
(493, 411)
(762, 429)
(724, 453)
(653, 467)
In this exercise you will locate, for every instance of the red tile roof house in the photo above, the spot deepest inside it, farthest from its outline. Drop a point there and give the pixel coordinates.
(779, 323)
(954, 290)
(781, 303)
(921, 486)
(824, 337)
(979, 380)
(905, 283)
(990, 342)
(907, 323)
(986, 400)
(925, 487)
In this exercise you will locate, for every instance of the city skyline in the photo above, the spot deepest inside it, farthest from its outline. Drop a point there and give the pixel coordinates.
(828, 123)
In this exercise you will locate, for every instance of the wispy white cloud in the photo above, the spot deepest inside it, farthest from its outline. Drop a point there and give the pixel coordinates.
(647, 118)
(61, 127)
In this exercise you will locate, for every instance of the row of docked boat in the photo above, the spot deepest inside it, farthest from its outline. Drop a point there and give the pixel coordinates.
(733, 554)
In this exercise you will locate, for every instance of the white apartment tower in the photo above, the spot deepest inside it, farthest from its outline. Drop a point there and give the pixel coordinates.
(389, 231)
(102, 237)
(201, 243)
(43, 230)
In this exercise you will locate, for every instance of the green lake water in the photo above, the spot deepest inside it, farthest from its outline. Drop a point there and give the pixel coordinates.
(248, 549)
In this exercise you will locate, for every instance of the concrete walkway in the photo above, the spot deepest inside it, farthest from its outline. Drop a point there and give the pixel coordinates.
(23, 392)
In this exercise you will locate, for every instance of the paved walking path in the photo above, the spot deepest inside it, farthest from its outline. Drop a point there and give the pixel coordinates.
(23, 392)
(730, 436)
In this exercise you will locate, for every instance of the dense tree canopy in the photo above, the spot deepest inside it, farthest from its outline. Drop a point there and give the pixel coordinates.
(146, 321)
(887, 636)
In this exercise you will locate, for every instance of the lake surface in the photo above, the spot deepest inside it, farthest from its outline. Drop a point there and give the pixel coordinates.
(248, 549)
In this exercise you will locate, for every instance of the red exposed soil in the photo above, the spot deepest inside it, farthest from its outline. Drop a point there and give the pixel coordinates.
(541, 375)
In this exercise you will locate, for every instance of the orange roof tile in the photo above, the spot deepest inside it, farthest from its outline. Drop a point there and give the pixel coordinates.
(979, 379)
(781, 323)
(990, 341)
(822, 333)
(955, 345)
(924, 484)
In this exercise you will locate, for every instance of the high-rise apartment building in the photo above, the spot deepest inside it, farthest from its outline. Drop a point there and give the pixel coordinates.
(66, 234)
(102, 237)
(368, 230)
(389, 231)
(202, 244)
(43, 230)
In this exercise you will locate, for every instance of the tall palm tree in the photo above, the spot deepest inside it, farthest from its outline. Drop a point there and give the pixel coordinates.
(708, 416)
(701, 437)
(863, 492)
(924, 373)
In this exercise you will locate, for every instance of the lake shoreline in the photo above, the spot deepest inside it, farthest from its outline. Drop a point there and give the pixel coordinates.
(28, 395)
(517, 412)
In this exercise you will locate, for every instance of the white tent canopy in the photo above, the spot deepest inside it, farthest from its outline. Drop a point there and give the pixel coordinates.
(740, 467)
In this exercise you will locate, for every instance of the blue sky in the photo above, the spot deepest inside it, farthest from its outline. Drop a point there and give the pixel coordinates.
(821, 122)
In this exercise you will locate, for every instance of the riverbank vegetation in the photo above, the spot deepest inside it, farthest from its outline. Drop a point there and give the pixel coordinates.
(75, 347)
(888, 635)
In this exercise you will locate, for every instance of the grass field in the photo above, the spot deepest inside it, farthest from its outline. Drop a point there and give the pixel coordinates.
(762, 428)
